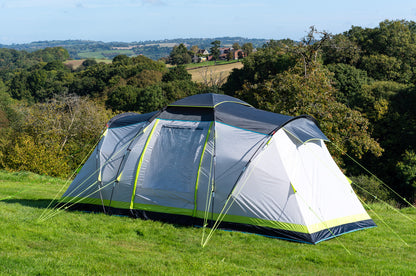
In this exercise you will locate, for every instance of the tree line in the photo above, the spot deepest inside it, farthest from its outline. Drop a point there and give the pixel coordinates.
(359, 85)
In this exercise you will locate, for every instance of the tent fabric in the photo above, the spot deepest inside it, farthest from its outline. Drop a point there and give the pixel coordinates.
(209, 100)
(209, 155)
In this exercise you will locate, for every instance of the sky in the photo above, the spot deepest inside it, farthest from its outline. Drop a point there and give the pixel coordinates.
(24, 21)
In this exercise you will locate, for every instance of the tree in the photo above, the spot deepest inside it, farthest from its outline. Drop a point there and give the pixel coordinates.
(121, 59)
(123, 98)
(236, 46)
(406, 169)
(247, 48)
(349, 82)
(382, 67)
(194, 49)
(340, 49)
(215, 49)
(294, 94)
(310, 48)
(89, 62)
(180, 55)
(177, 73)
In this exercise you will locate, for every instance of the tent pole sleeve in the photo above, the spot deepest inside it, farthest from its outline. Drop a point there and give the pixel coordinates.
(199, 169)
(125, 155)
(140, 163)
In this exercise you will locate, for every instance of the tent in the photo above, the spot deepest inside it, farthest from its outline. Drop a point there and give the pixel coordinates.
(211, 157)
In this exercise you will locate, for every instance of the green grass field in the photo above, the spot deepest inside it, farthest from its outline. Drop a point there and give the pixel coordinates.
(79, 243)
(209, 63)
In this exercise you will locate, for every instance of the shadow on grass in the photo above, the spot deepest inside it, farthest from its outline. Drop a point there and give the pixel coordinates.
(35, 203)
(45, 203)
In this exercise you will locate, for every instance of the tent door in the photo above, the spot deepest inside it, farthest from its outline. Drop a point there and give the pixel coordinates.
(170, 176)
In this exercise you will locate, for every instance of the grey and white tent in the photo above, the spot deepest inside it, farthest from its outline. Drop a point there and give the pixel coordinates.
(210, 156)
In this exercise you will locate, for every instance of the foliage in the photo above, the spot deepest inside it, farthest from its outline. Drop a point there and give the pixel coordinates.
(382, 67)
(177, 73)
(266, 62)
(406, 169)
(340, 49)
(370, 189)
(180, 55)
(247, 48)
(215, 49)
(294, 94)
(349, 81)
(53, 137)
(391, 45)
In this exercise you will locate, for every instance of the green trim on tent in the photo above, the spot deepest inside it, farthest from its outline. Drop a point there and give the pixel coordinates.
(119, 177)
(308, 229)
(294, 190)
(199, 168)
(140, 163)
(246, 104)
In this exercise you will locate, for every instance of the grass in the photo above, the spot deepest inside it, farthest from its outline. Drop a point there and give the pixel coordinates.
(78, 243)
(210, 63)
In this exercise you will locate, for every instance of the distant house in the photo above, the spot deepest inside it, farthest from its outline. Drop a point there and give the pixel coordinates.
(224, 50)
(202, 52)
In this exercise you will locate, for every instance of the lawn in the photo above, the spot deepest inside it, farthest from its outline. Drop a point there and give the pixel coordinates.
(79, 243)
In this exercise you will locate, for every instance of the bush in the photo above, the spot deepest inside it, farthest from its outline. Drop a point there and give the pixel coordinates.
(370, 189)
(51, 138)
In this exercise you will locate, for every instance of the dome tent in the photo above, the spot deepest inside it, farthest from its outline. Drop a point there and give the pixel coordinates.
(211, 157)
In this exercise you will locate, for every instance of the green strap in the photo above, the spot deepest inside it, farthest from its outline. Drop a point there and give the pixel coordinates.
(199, 169)
(140, 163)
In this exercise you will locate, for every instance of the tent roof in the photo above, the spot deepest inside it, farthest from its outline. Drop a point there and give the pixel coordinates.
(207, 100)
(230, 111)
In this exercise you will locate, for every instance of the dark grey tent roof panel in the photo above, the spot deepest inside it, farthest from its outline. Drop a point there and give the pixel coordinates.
(250, 118)
(305, 129)
(187, 113)
(207, 100)
(126, 119)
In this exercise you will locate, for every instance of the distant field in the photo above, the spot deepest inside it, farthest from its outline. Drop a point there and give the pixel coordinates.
(81, 243)
(104, 53)
(212, 73)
